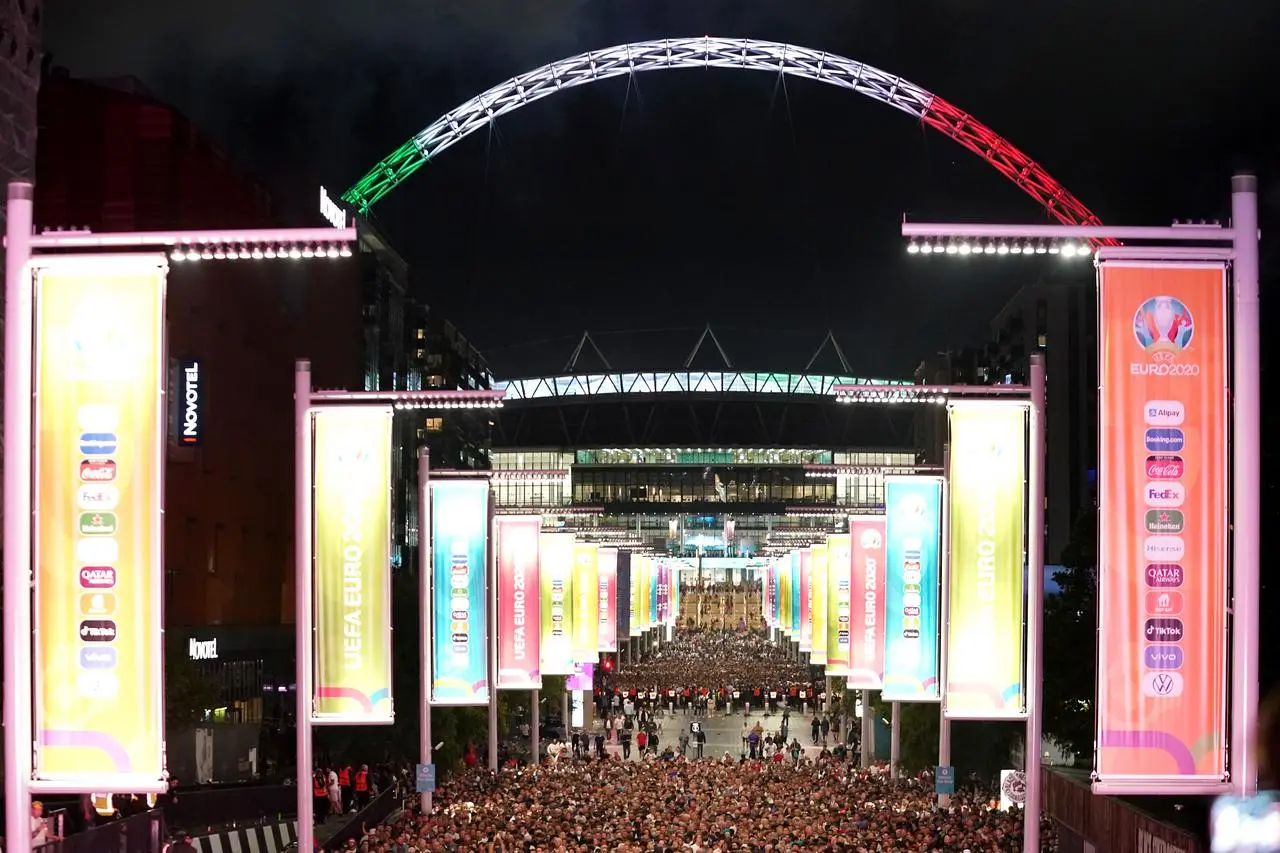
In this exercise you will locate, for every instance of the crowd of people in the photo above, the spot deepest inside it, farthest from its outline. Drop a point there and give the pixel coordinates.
(673, 806)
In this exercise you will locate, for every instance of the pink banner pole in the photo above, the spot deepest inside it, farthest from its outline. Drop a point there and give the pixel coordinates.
(424, 615)
(302, 616)
(1035, 608)
(1246, 389)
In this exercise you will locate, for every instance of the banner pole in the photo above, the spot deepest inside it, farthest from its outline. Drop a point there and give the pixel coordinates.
(19, 352)
(1246, 391)
(424, 616)
(302, 581)
(491, 574)
(1035, 607)
(895, 740)
(535, 726)
(868, 731)
(944, 568)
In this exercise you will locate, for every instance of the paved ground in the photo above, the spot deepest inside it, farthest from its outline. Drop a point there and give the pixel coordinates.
(724, 732)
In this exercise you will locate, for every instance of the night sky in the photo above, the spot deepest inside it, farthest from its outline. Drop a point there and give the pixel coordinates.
(677, 198)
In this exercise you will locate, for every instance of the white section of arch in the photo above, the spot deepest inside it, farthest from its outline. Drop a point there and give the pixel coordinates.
(680, 382)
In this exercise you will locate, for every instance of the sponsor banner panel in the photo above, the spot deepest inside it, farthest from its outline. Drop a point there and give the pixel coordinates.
(867, 602)
(586, 602)
(838, 603)
(987, 498)
(806, 599)
(460, 650)
(352, 581)
(1162, 578)
(519, 600)
(818, 604)
(622, 597)
(555, 565)
(913, 526)
(607, 582)
(794, 593)
(100, 418)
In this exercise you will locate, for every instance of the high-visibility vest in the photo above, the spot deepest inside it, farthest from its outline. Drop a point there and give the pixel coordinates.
(344, 776)
(318, 786)
(362, 780)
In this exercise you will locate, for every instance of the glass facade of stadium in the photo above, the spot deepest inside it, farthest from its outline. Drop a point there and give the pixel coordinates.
(696, 502)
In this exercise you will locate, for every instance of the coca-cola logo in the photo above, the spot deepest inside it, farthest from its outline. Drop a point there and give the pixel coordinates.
(1165, 467)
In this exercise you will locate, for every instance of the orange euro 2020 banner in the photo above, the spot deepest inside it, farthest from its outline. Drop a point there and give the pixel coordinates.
(1162, 527)
(99, 428)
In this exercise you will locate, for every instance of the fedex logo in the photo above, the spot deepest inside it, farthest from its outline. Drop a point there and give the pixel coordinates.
(1165, 494)
(1164, 413)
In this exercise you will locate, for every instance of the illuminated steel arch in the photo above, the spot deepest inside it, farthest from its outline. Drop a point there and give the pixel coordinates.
(708, 52)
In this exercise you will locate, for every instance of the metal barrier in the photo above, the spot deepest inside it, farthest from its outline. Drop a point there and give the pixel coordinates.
(140, 833)
(372, 815)
(198, 810)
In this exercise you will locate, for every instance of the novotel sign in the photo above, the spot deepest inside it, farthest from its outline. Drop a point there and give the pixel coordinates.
(202, 649)
(189, 403)
(334, 215)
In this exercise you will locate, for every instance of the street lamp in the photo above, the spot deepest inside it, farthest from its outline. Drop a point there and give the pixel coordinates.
(23, 253)
(1236, 244)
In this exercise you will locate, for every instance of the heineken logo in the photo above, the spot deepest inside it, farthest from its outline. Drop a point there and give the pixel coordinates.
(97, 523)
(1165, 521)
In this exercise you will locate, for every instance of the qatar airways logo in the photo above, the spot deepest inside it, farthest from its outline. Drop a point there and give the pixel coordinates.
(1165, 467)
(1165, 495)
(1164, 575)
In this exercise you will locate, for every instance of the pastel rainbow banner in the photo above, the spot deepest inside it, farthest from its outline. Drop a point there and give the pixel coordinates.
(1163, 529)
(913, 526)
(607, 580)
(637, 580)
(986, 641)
(806, 599)
(459, 591)
(838, 603)
(796, 594)
(586, 602)
(555, 566)
(867, 575)
(818, 605)
(352, 575)
(97, 547)
(519, 601)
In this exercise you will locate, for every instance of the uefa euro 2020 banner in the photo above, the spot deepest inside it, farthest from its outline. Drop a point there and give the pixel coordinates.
(352, 587)
(97, 545)
(866, 621)
(586, 600)
(622, 597)
(555, 563)
(460, 605)
(607, 581)
(818, 604)
(796, 591)
(913, 526)
(519, 597)
(987, 495)
(839, 564)
(635, 607)
(806, 601)
(1162, 578)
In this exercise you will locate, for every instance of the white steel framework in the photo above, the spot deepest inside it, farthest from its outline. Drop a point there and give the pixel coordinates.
(684, 382)
(709, 52)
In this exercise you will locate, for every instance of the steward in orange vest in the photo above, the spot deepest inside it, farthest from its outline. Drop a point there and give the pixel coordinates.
(344, 782)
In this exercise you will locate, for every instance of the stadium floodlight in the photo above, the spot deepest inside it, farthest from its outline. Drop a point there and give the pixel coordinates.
(932, 395)
(229, 245)
(1000, 247)
(405, 400)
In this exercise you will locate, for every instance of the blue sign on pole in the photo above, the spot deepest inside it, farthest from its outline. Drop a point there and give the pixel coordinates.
(426, 778)
(944, 780)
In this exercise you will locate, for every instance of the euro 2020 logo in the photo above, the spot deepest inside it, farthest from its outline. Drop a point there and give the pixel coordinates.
(1163, 327)
(870, 540)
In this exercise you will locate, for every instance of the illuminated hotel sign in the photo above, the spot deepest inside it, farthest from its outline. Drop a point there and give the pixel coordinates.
(334, 215)
(202, 649)
(189, 405)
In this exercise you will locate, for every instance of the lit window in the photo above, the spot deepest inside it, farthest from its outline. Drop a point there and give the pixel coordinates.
(435, 424)
(1042, 340)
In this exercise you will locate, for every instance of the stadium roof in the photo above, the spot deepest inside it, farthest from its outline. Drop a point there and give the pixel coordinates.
(680, 382)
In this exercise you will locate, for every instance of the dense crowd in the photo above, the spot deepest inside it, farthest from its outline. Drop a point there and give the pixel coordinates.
(714, 805)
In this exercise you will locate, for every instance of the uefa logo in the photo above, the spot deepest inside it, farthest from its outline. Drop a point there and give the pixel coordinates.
(912, 507)
(1163, 326)
(870, 540)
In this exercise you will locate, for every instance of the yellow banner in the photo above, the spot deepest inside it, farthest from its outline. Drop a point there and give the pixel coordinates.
(633, 580)
(985, 674)
(787, 592)
(555, 564)
(352, 583)
(818, 605)
(100, 421)
(586, 602)
(646, 583)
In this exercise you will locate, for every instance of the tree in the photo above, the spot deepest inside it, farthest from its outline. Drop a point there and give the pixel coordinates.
(1070, 642)
(187, 693)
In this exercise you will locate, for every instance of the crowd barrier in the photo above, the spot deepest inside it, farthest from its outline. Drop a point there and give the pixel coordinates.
(266, 838)
(370, 816)
(194, 811)
(140, 833)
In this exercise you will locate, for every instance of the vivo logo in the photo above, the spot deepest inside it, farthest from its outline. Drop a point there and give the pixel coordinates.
(1162, 657)
(1165, 467)
(1165, 494)
(1158, 548)
(1164, 413)
(1164, 575)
